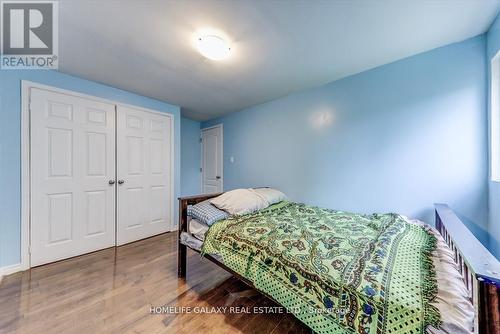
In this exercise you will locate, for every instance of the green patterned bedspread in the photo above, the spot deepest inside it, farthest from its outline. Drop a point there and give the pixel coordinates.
(338, 272)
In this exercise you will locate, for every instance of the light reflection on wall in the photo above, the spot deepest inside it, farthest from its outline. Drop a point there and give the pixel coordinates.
(322, 119)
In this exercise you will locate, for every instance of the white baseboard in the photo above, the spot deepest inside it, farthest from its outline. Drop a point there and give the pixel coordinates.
(7, 270)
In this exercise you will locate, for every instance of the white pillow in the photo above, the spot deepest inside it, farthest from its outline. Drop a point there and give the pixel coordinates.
(240, 202)
(271, 195)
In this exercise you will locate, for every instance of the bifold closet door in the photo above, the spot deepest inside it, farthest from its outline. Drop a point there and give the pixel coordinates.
(144, 173)
(72, 171)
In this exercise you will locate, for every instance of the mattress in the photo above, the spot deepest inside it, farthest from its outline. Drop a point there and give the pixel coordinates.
(197, 228)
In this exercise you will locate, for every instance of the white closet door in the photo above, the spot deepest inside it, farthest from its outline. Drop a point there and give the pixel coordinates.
(72, 162)
(144, 174)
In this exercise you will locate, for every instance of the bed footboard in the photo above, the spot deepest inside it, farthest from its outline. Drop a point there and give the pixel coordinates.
(183, 227)
(479, 268)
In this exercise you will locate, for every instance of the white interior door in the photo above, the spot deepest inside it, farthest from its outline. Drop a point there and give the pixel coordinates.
(144, 174)
(72, 162)
(212, 168)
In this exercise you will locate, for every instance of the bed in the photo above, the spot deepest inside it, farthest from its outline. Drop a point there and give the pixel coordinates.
(366, 279)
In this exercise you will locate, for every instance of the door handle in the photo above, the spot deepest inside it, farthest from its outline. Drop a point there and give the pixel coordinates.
(121, 182)
(217, 177)
(111, 182)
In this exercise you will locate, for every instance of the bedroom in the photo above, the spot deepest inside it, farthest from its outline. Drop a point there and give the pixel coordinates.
(366, 107)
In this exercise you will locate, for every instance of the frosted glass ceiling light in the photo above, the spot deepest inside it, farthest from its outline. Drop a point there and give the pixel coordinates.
(213, 47)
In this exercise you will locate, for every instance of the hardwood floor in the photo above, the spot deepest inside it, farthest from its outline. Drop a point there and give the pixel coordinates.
(114, 290)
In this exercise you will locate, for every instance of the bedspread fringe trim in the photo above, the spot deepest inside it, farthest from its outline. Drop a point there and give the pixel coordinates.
(429, 282)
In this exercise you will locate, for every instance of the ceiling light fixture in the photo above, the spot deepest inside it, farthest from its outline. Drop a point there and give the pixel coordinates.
(213, 47)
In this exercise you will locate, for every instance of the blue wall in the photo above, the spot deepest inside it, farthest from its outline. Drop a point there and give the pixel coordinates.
(493, 46)
(10, 143)
(190, 157)
(396, 138)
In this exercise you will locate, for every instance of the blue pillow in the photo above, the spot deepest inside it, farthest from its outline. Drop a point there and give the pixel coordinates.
(206, 213)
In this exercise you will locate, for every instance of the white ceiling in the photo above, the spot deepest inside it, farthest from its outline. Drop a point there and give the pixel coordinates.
(278, 47)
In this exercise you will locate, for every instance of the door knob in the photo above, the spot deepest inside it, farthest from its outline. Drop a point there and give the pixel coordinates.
(217, 177)
(121, 182)
(111, 182)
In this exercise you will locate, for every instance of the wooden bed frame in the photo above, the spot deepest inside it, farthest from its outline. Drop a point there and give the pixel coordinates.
(479, 268)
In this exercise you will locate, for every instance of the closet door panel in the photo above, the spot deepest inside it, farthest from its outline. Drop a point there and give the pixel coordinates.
(144, 174)
(72, 161)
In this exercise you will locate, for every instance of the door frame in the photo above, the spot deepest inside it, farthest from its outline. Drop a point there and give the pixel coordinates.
(221, 126)
(26, 87)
